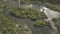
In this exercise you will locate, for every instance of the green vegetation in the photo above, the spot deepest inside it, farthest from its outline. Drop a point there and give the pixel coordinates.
(40, 23)
(7, 26)
(42, 15)
(27, 13)
(39, 2)
(53, 7)
(57, 22)
(54, 19)
(32, 1)
(52, 4)
(57, 2)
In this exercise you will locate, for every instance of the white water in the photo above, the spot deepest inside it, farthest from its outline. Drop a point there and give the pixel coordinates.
(51, 14)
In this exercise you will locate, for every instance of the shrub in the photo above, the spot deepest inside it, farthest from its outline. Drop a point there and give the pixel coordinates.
(42, 15)
(39, 23)
(57, 23)
(53, 7)
(27, 13)
(54, 20)
(7, 26)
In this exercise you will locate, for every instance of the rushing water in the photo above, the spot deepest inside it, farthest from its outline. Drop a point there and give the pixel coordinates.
(51, 14)
(35, 30)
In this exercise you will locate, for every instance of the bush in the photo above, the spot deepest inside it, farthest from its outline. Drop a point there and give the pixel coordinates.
(39, 23)
(27, 13)
(7, 26)
(54, 20)
(32, 2)
(42, 15)
(53, 7)
(57, 22)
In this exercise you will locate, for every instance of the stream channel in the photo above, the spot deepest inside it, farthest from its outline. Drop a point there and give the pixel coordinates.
(28, 22)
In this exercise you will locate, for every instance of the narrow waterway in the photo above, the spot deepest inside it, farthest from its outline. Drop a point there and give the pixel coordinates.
(35, 30)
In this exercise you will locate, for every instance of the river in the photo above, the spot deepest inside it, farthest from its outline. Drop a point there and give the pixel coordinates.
(35, 30)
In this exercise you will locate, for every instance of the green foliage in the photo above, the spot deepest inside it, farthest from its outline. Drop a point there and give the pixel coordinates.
(54, 1)
(7, 26)
(39, 23)
(39, 2)
(54, 20)
(31, 1)
(53, 7)
(27, 13)
(57, 22)
(42, 15)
